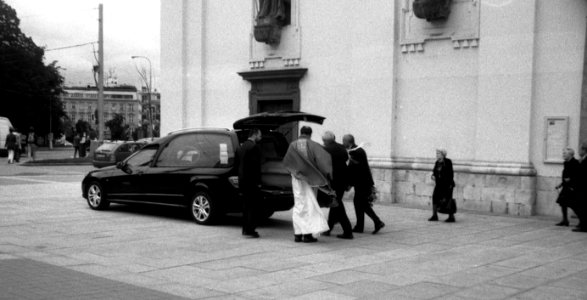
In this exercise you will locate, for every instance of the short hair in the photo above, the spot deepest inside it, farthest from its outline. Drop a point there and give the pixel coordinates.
(350, 138)
(329, 136)
(570, 151)
(441, 151)
(254, 131)
(11, 129)
(306, 130)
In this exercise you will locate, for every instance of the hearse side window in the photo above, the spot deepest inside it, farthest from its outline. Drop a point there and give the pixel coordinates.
(142, 158)
(199, 150)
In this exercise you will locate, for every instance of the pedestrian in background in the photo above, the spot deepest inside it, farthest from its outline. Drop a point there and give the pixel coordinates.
(443, 176)
(568, 184)
(18, 149)
(23, 144)
(248, 162)
(339, 182)
(82, 144)
(362, 180)
(10, 145)
(310, 167)
(32, 143)
(580, 201)
(76, 139)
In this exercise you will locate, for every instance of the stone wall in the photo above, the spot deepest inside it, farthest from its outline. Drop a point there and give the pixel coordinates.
(495, 188)
(546, 196)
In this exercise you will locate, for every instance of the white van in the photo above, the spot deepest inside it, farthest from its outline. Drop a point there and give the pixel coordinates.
(5, 125)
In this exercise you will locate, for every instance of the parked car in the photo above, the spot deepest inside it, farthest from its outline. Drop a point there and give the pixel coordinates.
(195, 169)
(111, 153)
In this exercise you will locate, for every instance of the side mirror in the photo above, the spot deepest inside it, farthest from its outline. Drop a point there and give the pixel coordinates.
(120, 165)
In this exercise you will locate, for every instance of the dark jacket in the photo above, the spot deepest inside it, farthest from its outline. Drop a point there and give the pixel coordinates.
(443, 173)
(11, 142)
(359, 171)
(248, 162)
(339, 168)
(581, 183)
(571, 171)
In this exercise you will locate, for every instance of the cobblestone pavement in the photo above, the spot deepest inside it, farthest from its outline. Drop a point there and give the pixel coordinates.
(52, 244)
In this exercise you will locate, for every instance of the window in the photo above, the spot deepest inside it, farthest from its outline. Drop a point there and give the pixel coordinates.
(142, 158)
(199, 150)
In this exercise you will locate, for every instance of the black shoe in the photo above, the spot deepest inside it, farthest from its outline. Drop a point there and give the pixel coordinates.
(433, 219)
(580, 230)
(562, 223)
(357, 230)
(450, 220)
(378, 227)
(345, 236)
(308, 238)
(254, 234)
(297, 238)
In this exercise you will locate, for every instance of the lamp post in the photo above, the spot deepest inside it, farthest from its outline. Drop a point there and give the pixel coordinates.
(148, 83)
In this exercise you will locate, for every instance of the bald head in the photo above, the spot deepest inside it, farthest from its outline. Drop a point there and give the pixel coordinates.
(328, 137)
(348, 140)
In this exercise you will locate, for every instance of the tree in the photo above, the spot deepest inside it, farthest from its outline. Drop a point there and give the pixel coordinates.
(30, 89)
(118, 131)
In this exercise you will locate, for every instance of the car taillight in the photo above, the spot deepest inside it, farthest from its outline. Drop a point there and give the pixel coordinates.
(234, 181)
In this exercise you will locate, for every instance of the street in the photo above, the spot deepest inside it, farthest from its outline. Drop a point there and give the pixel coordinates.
(52, 246)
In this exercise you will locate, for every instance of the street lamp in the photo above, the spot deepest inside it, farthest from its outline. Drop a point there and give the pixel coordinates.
(148, 83)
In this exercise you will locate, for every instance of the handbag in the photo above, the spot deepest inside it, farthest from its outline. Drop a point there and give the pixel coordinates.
(447, 206)
(326, 197)
(374, 196)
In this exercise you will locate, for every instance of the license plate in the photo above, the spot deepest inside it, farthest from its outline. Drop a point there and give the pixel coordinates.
(100, 155)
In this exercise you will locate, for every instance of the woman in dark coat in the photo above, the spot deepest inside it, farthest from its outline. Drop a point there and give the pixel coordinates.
(568, 185)
(443, 175)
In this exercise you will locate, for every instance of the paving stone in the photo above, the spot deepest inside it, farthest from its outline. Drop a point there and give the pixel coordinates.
(551, 293)
(363, 288)
(488, 291)
(28, 279)
(519, 281)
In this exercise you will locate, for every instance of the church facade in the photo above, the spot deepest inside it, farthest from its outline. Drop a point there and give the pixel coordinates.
(499, 84)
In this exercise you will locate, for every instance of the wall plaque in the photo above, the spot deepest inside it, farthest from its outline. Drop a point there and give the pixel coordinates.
(461, 26)
(556, 138)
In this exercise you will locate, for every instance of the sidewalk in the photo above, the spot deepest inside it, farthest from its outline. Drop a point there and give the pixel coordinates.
(142, 252)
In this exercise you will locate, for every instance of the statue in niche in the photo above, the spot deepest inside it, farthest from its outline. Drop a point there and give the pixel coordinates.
(432, 10)
(271, 17)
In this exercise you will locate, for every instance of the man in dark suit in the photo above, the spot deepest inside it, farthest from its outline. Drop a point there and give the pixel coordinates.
(362, 180)
(580, 201)
(339, 183)
(248, 161)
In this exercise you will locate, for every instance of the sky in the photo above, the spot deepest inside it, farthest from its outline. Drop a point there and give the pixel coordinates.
(131, 27)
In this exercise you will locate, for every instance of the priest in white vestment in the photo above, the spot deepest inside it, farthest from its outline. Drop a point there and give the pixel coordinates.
(311, 167)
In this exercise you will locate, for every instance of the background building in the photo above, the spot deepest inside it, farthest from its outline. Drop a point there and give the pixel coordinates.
(155, 107)
(81, 103)
(498, 83)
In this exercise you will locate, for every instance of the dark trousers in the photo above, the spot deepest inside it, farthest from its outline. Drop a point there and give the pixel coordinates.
(362, 207)
(338, 214)
(251, 198)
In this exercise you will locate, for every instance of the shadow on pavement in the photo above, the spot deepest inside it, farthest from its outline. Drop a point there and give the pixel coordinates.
(180, 213)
